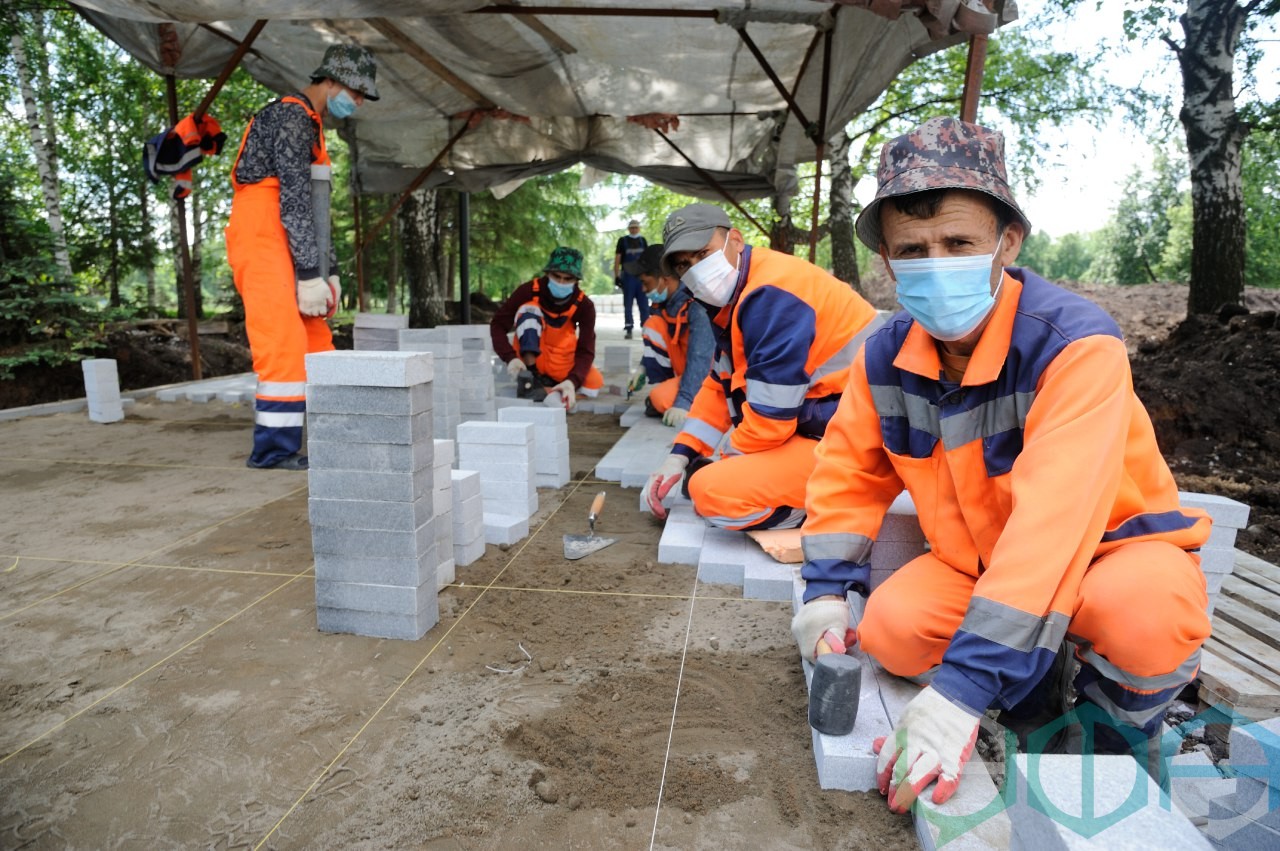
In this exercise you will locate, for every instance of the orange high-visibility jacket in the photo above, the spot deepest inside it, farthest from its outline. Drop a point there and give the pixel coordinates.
(1040, 461)
(784, 344)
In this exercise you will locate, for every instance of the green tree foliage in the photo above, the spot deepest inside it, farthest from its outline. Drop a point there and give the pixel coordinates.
(1132, 245)
(1261, 167)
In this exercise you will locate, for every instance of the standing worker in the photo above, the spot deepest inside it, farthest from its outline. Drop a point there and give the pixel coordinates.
(552, 324)
(1058, 553)
(678, 342)
(630, 246)
(279, 248)
(786, 333)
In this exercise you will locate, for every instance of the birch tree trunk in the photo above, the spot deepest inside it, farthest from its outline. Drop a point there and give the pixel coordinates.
(1214, 136)
(423, 259)
(844, 245)
(41, 147)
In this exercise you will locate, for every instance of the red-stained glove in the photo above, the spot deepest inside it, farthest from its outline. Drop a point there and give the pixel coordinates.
(933, 740)
(661, 483)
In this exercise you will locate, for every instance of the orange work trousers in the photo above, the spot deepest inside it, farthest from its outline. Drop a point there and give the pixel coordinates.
(279, 336)
(663, 394)
(762, 490)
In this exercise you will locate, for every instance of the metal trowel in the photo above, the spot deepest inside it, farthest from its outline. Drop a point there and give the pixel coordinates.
(577, 546)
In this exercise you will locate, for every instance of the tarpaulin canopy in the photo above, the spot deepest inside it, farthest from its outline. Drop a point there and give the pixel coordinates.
(536, 89)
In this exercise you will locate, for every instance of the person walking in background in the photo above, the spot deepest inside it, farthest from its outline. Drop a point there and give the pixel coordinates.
(630, 247)
(289, 286)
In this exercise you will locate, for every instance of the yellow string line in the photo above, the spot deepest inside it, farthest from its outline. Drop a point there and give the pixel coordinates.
(639, 594)
(151, 668)
(96, 463)
(90, 561)
(13, 566)
(378, 712)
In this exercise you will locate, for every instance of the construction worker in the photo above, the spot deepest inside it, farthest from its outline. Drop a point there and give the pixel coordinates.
(552, 325)
(273, 245)
(678, 342)
(626, 253)
(786, 333)
(1058, 553)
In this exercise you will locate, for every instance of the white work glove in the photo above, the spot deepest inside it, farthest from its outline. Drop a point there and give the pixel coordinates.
(661, 483)
(826, 620)
(313, 297)
(675, 417)
(932, 740)
(567, 393)
(336, 289)
(515, 366)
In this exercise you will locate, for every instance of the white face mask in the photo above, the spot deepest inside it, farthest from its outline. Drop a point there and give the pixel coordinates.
(712, 279)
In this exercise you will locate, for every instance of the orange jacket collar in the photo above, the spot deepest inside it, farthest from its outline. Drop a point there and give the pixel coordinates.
(919, 352)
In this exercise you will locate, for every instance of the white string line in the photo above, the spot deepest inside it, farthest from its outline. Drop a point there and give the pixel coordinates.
(671, 731)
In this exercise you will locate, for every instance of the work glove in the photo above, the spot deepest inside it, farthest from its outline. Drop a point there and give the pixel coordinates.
(661, 483)
(617, 281)
(825, 621)
(638, 378)
(567, 393)
(932, 740)
(313, 297)
(515, 366)
(675, 417)
(336, 289)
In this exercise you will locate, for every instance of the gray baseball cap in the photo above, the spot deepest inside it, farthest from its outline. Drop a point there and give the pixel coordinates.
(351, 65)
(690, 228)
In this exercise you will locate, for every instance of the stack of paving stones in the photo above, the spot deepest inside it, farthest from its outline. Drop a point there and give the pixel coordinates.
(1218, 555)
(234, 389)
(102, 390)
(502, 453)
(446, 403)
(476, 391)
(442, 497)
(371, 484)
(635, 456)
(1195, 781)
(1249, 816)
(378, 332)
(468, 517)
(550, 442)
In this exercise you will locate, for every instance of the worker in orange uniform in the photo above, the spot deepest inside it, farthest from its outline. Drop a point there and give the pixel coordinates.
(288, 282)
(678, 342)
(786, 333)
(1058, 553)
(552, 324)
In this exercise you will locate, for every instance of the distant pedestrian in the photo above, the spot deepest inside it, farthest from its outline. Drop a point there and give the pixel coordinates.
(630, 247)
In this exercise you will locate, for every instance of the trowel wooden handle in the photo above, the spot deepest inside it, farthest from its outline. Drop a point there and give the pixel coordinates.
(597, 505)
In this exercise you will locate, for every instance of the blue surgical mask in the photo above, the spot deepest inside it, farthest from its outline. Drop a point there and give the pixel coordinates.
(657, 296)
(559, 290)
(341, 105)
(948, 296)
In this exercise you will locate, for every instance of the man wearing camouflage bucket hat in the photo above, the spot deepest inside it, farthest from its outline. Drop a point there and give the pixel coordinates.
(546, 333)
(279, 245)
(1059, 559)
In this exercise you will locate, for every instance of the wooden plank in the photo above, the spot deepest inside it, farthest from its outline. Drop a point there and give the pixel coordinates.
(1256, 565)
(1235, 685)
(1258, 625)
(1259, 659)
(1249, 573)
(1252, 596)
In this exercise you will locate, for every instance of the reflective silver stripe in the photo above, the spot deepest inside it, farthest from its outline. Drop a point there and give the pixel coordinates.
(890, 401)
(994, 417)
(1179, 676)
(844, 358)
(650, 335)
(702, 430)
(658, 357)
(733, 407)
(282, 388)
(775, 395)
(723, 365)
(279, 419)
(1018, 630)
(845, 546)
(1133, 717)
(793, 521)
(739, 521)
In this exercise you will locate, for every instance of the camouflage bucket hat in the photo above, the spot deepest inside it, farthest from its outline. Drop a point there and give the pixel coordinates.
(566, 260)
(942, 153)
(351, 65)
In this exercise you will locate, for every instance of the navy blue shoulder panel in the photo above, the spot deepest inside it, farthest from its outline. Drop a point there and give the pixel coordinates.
(1049, 319)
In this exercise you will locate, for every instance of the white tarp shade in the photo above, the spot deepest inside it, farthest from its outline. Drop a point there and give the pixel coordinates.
(570, 80)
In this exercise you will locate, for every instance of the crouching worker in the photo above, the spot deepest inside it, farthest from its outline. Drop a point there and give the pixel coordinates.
(552, 325)
(1058, 553)
(786, 333)
(678, 342)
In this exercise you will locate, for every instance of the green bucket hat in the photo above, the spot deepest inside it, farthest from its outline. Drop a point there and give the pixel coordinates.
(351, 65)
(566, 260)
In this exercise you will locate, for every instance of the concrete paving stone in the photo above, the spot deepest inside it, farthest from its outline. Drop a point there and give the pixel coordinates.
(234, 397)
(446, 571)
(722, 556)
(470, 507)
(900, 521)
(847, 762)
(1255, 750)
(494, 433)
(515, 506)
(468, 553)
(555, 466)
(1257, 800)
(1096, 802)
(973, 819)
(1213, 583)
(504, 528)
(1224, 510)
(446, 450)
(369, 369)
(1222, 536)
(384, 401)
(888, 556)
(468, 530)
(1217, 559)
(370, 428)
(632, 415)
(385, 487)
(491, 471)
(539, 416)
(369, 457)
(172, 395)
(201, 397)
(377, 515)
(681, 542)
(377, 338)
(381, 320)
(376, 624)
(502, 402)
(366, 597)
(1232, 831)
(766, 579)
(407, 572)
(522, 488)
(895, 692)
(1194, 780)
(465, 484)
(551, 481)
(373, 543)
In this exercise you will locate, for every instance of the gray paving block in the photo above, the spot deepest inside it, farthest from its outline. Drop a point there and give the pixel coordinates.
(1235, 831)
(682, 537)
(367, 514)
(373, 543)
(973, 819)
(235, 397)
(1224, 510)
(407, 572)
(385, 401)
(900, 521)
(1095, 802)
(366, 597)
(551, 481)
(369, 457)
(1194, 781)
(1255, 752)
(538, 415)
(377, 624)
(895, 692)
(1217, 559)
(766, 579)
(632, 415)
(465, 484)
(888, 556)
(369, 369)
(370, 428)
(468, 553)
(722, 556)
(504, 528)
(393, 321)
(1222, 536)
(503, 434)
(385, 487)
(502, 402)
(446, 571)
(847, 762)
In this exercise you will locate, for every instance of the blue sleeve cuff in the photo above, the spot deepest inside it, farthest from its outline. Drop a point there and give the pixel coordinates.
(825, 576)
(952, 684)
(687, 451)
